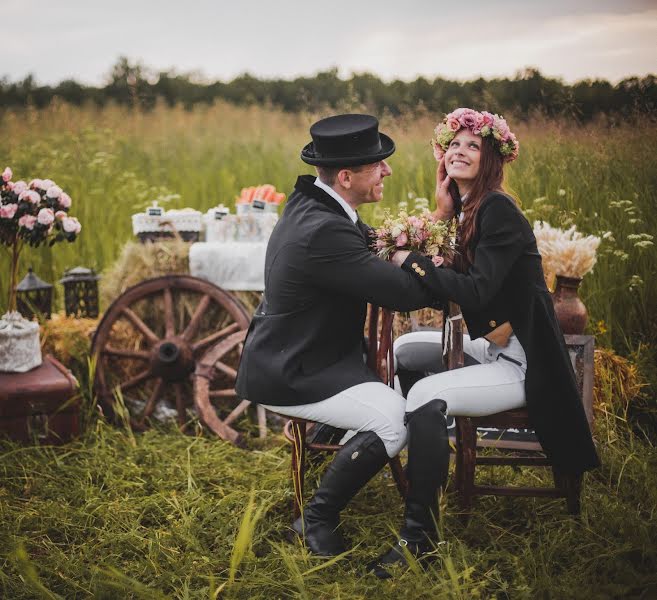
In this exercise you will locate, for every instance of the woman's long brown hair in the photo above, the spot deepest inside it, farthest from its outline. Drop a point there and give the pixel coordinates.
(490, 178)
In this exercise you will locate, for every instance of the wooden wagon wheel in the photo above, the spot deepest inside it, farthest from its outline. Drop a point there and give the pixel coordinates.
(150, 339)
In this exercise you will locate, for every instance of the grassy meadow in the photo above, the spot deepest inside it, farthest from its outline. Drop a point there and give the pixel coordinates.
(167, 515)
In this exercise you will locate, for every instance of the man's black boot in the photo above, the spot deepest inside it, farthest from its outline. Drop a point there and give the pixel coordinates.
(427, 469)
(353, 466)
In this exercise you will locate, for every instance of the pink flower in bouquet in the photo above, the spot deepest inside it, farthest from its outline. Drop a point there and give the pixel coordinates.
(416, 222)
(380, 244)
(60, 214)
(47, 183)
(19, 187)
(27, 221)
(64, 200)
(54, 191)
(71, 225)
(30, 196)
(437, 260)
(401, 240)
(7, 175)
(36, 183)
(7, 211)
(46, 216)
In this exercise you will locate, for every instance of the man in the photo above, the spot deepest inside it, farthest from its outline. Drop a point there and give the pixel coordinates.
(303, 355)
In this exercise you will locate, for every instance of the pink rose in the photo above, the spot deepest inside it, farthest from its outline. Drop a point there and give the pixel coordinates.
(415, 222)
(479, 123)
(53, 191)
(437, 260)
(453, 123)
(46, 183)
(7, 175)
(27, 221)
(59, 215)
(19, 187)
(30, 196)
(402, 240)
(36, 183)
(71, 225)
(64, 200)
(7, 211)
(469, 120)
(46, 216)
(458, 112)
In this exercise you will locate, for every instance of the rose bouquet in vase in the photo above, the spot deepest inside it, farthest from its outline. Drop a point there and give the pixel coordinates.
(30, 214)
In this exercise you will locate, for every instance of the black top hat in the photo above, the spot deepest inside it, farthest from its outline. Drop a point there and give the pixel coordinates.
(347, 141)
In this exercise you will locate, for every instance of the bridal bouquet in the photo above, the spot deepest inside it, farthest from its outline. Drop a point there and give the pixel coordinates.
(420, 233)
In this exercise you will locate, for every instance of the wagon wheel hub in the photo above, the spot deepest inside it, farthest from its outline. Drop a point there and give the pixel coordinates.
(172, 359)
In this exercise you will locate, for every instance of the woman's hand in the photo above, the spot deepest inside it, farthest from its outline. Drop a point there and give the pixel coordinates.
(399, 257)
(444, 201)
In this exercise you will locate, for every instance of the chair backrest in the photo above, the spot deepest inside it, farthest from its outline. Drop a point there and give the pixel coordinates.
(453, 337)
(379, 343)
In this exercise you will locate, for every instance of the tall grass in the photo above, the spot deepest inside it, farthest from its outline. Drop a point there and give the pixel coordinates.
(113, 162)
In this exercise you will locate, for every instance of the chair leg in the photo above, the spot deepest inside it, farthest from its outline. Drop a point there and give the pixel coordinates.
(398, 475)
(468, 451)
(298, 464)
(571, 485)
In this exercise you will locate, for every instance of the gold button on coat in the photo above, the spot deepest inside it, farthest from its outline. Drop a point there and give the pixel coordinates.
(414, 265)
(492, 323)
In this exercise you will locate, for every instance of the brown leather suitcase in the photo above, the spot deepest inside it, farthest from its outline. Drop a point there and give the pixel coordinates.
(40, 405)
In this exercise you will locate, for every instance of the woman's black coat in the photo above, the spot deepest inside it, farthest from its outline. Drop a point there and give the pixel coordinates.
(506, 283)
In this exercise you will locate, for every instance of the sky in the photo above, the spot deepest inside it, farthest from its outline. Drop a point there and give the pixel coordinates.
(394, 39)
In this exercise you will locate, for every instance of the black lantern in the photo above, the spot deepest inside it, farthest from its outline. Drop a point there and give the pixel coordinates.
(34, 296)
(80, 292)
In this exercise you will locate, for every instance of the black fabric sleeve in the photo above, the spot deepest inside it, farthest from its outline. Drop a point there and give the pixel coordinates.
(339, 260)
(501, 242)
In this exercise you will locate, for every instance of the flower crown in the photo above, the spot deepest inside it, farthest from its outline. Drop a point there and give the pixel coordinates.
(480, 123)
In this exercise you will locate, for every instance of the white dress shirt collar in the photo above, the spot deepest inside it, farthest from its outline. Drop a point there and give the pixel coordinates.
(351, 213)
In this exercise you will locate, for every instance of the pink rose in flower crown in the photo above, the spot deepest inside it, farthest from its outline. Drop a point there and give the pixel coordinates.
(27, 221)
(7, 211)
(71, 225)
(469, 120)
(453, 123)
(7, 175)
(64, 200)
(503, 129)
(488, 118)
(46, 216)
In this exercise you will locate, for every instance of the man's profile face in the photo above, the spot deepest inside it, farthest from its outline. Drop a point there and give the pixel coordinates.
(367, 182)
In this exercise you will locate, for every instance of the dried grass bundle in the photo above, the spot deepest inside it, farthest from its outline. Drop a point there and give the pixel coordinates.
(568, 253)
(143, 261)
(68, 339)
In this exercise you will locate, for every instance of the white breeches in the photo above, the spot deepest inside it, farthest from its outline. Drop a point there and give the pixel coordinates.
(495, 384)
(367, 406)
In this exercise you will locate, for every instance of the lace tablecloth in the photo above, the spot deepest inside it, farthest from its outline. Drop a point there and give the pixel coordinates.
(230, 265)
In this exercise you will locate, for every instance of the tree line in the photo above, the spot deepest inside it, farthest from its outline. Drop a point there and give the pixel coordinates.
(529, 92)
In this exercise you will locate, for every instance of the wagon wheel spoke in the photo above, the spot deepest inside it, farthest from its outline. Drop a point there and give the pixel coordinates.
(145, 330)
(152, 400)
(224, 368)
(135, 381)
(206, 341)
(236, 412)
(193, 325)
(138, 354)
(180, 404)
(169, 325)
(225, 393)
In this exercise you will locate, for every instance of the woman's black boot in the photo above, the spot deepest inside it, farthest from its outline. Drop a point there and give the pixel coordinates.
(407, 379)
(362, 457)
(427, 470)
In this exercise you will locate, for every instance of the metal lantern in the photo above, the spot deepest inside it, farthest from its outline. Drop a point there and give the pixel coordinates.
(34, 296)
(80, 292)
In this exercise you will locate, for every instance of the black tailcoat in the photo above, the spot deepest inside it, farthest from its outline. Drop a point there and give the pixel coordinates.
(305, 342)
(506, 283)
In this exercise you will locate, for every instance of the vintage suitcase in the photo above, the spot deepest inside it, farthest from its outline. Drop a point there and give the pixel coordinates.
(41, 405)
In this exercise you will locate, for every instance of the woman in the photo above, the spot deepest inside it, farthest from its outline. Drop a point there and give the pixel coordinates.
(515, 353)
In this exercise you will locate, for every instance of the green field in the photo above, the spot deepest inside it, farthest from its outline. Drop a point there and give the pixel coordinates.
(158, 515)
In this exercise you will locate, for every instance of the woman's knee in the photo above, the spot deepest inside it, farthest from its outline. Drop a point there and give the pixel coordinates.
(418, 350)
(424, 391)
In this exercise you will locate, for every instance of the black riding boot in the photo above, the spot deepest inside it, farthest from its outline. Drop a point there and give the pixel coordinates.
(353, 466)
(407, 379)
(428, 466)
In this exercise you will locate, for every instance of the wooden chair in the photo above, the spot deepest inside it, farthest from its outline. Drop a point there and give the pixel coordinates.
(379, 359)
(515, 453)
